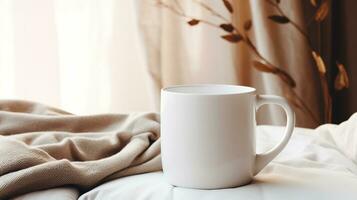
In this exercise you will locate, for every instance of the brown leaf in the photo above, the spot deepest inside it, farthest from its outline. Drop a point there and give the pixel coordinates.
(319, 62)
(264, 67)
(193, 22)
(293, 100)
(227, 27)
(313, 2)
(279, 19)
(341, 80)
(247, 25)
(228, 5)
(286, 78)
(232, 37)
(322, 11)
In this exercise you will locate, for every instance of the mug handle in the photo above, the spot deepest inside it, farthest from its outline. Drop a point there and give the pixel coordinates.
(261, 160)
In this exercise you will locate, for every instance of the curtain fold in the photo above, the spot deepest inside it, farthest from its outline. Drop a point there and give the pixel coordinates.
(183, 54)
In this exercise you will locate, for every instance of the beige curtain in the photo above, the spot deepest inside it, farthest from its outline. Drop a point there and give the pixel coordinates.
(181, 54)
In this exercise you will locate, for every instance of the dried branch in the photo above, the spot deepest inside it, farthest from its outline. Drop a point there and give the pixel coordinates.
(184, 15)
(293, 23)
(319, 16)
(236, 36)
(178, 4)
(212, 11)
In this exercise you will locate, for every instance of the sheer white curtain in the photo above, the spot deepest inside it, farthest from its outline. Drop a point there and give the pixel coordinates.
(80, 55)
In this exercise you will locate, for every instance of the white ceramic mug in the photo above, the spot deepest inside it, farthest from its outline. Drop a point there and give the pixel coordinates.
(208, 135)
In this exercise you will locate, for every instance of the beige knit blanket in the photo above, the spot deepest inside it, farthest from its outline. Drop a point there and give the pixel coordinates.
(43, 147)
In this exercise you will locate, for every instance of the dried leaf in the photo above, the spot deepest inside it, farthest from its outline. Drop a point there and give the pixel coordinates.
(279, 19)
(247, 25)
(293, 100)
(227, 27)
(341, 80)
(272, 69)
(286, 78)
(322, 11)
(232, 37)
(319, 62)
(228, 5)
(264, 67)
(193, 22)
(313, 2)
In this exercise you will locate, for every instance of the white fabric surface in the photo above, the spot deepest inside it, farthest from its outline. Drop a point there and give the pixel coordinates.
(62, 193)
(316, 164)
(312, 166)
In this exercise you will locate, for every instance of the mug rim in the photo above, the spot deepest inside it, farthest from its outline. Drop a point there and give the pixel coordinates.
(230, 89)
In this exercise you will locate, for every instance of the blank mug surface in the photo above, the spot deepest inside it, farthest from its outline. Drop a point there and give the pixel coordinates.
(208, 136)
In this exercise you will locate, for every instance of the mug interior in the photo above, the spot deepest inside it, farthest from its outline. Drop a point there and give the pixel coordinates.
(209, 89)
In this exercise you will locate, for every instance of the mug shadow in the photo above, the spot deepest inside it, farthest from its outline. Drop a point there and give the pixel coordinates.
(255, 183)
(263, 181)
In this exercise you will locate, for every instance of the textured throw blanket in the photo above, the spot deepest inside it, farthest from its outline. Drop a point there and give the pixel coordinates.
(43, 147)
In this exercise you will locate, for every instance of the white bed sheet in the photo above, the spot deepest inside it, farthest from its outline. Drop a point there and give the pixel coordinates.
(61, 193)
(306, 169)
